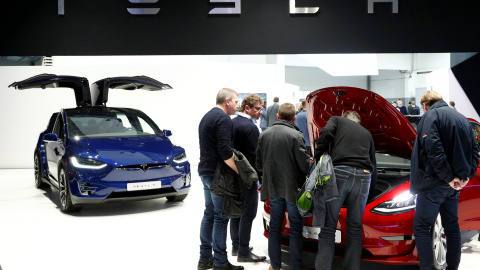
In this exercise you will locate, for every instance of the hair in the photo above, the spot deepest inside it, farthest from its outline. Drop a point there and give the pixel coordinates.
(352, 115)
(413, 102)
(286, 111)
(225, 93)
(430, 97)
(275, 99)
(250, 100)
(303, 103)
(452, 103)
(399, 99)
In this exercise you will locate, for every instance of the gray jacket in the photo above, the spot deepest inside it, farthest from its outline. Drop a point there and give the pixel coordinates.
(283, 159)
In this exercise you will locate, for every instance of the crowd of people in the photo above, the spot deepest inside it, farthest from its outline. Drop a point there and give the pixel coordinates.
(278, 151)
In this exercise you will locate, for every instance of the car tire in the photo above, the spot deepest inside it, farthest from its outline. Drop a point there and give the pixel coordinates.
(177, 198)
(439, 244)
(66, 204)
(38, 170)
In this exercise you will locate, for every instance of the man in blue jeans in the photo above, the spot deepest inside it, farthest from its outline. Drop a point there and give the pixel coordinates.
(215, 135)
(444, 158)
(353, 157)
(283, 159)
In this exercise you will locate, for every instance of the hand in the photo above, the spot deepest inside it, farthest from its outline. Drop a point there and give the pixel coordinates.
(456, 183)
(463, 183)
(259, 188)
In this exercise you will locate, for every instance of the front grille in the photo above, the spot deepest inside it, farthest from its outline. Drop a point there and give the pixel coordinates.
(140, 193)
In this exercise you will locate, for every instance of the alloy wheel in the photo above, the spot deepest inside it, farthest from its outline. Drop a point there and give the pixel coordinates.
(439, 242)
(36, 169)
(62, 189)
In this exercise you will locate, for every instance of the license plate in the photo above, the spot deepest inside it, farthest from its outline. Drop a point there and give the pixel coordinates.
(144, 185)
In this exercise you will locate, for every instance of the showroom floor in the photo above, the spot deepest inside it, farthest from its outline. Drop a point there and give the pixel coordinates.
(144, 235)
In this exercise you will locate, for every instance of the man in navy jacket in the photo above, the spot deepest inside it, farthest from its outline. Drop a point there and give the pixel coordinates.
(245, 140)
(444, 158)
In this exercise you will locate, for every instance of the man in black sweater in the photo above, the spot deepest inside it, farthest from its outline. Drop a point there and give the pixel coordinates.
(215, 135)
(353, 156)
(245, 140)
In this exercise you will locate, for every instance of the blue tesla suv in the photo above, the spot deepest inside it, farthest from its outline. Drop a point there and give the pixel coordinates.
(95, 154)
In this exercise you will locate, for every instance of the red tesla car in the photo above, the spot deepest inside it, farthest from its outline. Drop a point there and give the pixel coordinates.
(388, 219)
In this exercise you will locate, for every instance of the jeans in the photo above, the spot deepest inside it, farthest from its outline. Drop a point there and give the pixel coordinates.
(240, 228)
(443, 200)
(277, 213)
(353, 187)
(213, 230)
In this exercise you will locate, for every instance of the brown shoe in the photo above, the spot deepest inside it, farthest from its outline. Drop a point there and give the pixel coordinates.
(271, 268)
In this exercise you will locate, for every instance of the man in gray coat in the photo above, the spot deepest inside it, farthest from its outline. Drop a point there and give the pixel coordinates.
(283, 159)
(272, 111)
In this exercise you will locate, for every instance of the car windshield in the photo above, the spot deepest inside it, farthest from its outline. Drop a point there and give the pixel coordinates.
(109, 122)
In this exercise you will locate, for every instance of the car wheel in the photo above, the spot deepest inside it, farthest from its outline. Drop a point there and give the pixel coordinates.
(38, 170)
(177, 198)
(439, 243)
(66, 204)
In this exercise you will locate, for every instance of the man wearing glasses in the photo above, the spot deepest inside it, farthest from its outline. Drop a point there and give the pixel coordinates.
(245, 140)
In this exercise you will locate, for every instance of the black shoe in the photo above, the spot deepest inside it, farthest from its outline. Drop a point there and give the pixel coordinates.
(229, 266)
(251, 258)
(205, 265)
(235, 251)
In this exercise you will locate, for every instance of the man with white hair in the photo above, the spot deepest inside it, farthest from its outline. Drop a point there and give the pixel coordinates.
(353, 157)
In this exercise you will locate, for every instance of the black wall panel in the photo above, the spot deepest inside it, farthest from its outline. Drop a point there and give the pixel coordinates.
(105, 27)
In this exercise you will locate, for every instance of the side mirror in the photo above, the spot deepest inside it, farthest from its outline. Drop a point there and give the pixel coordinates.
(50, 137)
(167, 132)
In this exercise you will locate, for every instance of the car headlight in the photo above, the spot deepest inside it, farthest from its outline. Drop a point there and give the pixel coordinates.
(180, 158)
(87, 163)
(403, 203)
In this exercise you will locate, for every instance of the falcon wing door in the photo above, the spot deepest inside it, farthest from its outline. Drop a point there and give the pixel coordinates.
(79, 85)
(100, 88)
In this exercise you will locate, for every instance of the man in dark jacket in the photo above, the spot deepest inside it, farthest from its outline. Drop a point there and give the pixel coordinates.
(283, 159)
(353, 157)
(444, 158)
(215, 135)
(245, 140)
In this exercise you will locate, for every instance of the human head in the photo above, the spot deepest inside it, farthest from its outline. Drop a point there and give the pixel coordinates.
(394, 103)
(252, 105)
(303, 104)
(286, 111)
(352, 115)
(429, 98)
(399, 102)
(451, 104)
(413, 103)
(227, 100)
(275, 99)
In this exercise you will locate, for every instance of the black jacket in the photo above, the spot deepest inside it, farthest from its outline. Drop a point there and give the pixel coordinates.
(283, 160)
(351, 145)
(231, 186)
(444, 149)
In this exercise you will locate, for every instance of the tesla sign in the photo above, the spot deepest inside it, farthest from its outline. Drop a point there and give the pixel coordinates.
(235, 10)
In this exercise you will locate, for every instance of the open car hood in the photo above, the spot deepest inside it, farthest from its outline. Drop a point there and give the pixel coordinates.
(100, 88)
(391, 131)
(79, 85)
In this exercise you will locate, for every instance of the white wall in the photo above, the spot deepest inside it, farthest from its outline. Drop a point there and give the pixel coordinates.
(457, 94)
(25, 113)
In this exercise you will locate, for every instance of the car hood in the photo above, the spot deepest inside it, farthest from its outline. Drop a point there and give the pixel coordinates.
(126, 151)
(391, 131)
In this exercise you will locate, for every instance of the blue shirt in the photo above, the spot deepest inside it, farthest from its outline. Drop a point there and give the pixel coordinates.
(301, 123)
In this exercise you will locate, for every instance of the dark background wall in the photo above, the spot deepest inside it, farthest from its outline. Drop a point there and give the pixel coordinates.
(92, 27)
